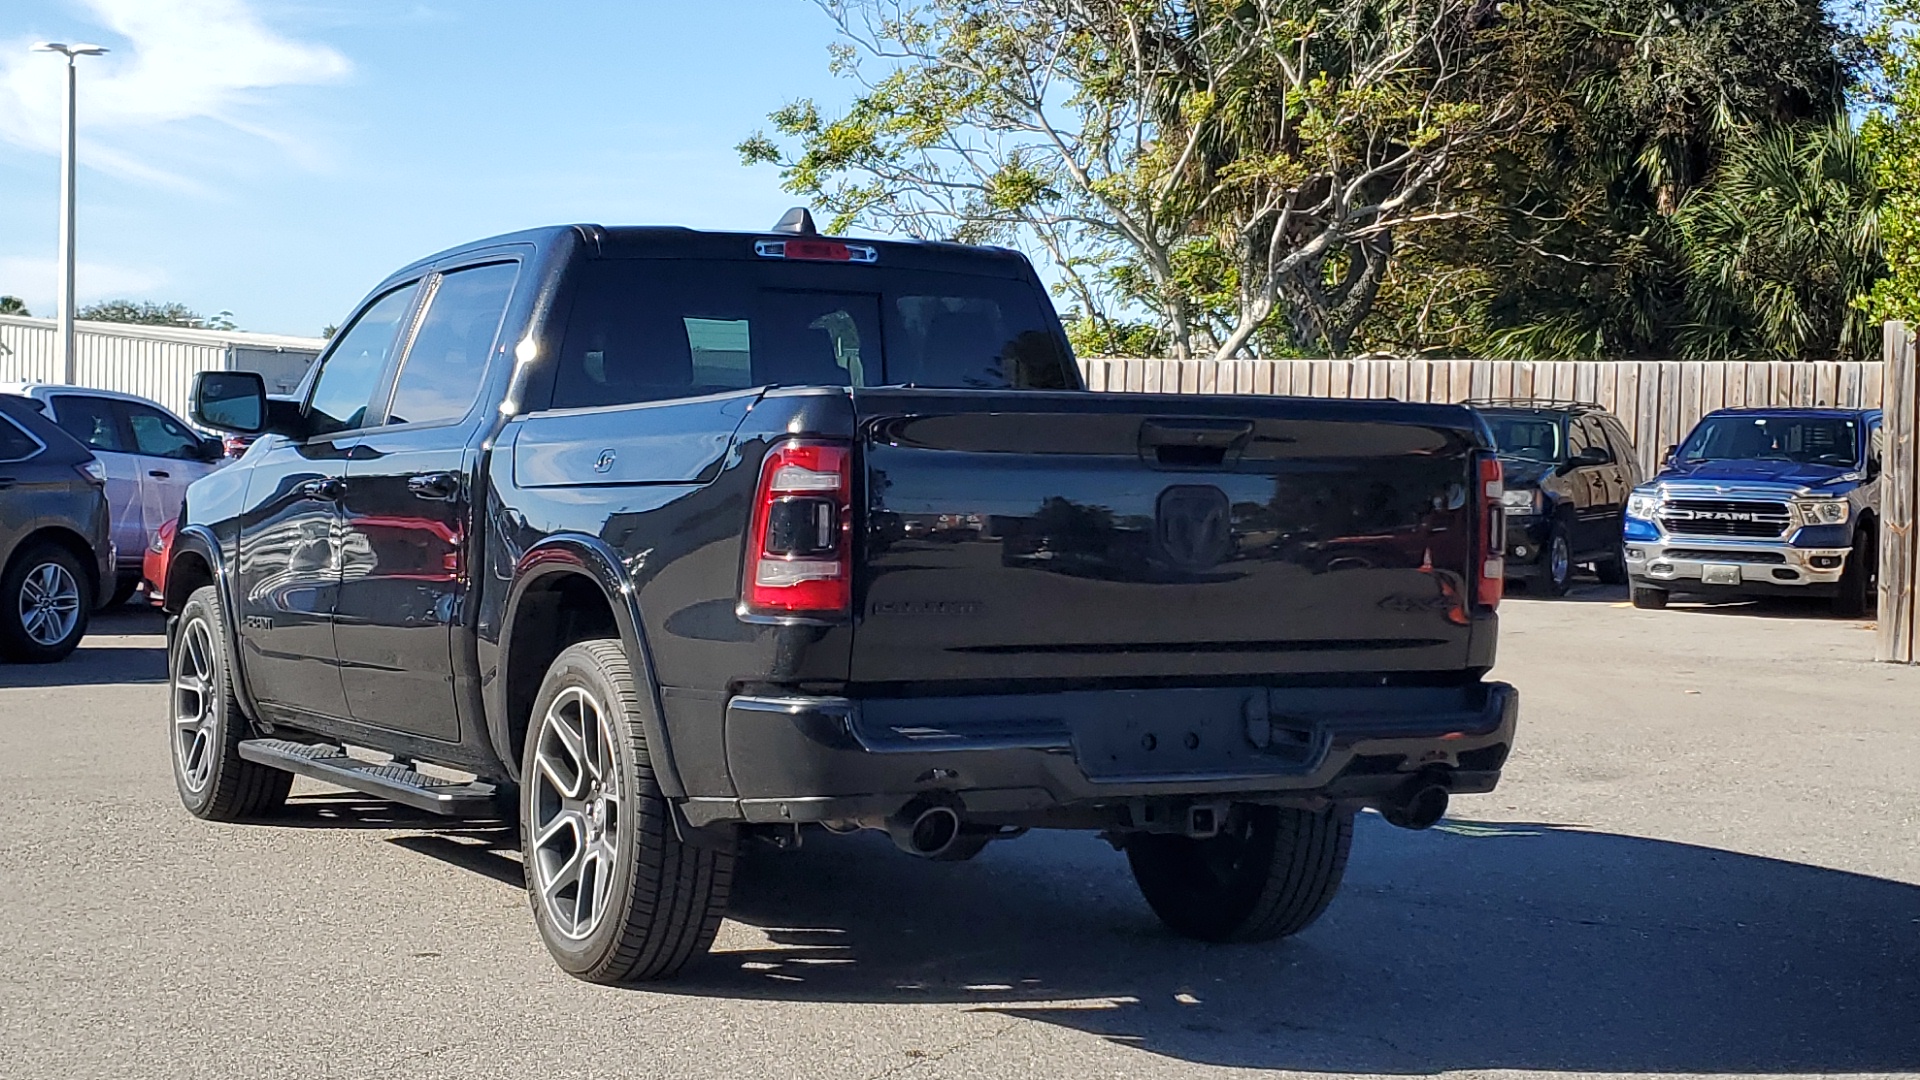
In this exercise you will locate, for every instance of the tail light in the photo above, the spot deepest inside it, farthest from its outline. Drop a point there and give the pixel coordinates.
(1491, 547)
(800, 550)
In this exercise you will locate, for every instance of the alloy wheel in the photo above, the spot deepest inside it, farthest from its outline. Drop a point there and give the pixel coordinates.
(574, 813)
(194, 725)
(49, 604)
(1560, 561)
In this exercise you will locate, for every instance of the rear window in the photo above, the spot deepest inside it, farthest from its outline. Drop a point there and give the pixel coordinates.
(647, 330)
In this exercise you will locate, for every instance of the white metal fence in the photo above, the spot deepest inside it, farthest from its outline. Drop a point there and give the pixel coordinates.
(1658, 401)
(154, 362)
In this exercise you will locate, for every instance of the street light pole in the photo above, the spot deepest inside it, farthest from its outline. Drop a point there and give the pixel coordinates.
(64, 353)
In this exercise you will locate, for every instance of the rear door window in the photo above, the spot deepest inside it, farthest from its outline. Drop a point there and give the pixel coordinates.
(646, 330)
(93, 421)
(446, 365)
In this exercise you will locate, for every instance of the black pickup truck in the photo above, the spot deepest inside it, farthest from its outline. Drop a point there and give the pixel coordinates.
(660, 540)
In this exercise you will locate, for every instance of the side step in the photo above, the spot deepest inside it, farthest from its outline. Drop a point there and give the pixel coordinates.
(393, 782)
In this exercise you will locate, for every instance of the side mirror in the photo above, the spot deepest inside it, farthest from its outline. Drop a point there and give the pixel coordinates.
(1666, 456)
(233, 401)
(212, 448)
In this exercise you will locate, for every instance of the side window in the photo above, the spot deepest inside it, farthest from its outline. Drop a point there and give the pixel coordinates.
(1876, 448)
(1588, 434)
(1623, 450)
(447, 362)
(158, 435)
(16, 444)
(91, 420)
(351, 373)
(1579, 437)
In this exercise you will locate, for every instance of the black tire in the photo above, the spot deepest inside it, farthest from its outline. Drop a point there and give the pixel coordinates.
(1612, 571)
(20, 587)
(1270, 874)
(1558, 559)
(1859, 582)
(664, 898)
(1649, 599)
(214, 781)
(123, 590)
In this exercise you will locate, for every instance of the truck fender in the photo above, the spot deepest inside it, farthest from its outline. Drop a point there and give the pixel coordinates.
(200, 541)
(590, 557)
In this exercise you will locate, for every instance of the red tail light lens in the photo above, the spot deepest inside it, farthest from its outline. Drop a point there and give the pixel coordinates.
(1491, 549)
(800, 550)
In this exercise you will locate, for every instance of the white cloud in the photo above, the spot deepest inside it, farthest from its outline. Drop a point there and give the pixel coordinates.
(37, 280)
(173, 61)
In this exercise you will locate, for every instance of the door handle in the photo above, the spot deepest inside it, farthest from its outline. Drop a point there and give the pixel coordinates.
(160, 473)
(434, 485)
(326, 489)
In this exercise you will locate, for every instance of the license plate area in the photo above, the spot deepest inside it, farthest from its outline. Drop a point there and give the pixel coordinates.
(1719, 574)
(1217, 736)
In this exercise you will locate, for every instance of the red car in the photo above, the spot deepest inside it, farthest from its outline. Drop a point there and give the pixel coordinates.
(154, 567)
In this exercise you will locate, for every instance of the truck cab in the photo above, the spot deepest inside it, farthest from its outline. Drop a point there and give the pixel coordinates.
(1762, 502)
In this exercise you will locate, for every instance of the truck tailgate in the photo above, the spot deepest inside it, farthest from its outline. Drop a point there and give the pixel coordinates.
(1068, 537)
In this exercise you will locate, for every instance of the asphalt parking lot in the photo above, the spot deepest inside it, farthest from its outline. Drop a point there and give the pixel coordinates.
(1705, 860)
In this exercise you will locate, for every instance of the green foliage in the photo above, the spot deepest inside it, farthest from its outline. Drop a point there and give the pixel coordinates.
(1644, 107)
(1779, 245)
(1891, 135)
(1538, 179)
(151, 313)
(13, 305)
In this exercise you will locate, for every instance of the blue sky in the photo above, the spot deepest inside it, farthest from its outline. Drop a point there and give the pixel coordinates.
(277, 158)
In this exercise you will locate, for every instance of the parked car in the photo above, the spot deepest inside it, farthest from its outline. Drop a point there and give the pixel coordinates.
(150, 456)
(154, 566)
(1569, 469)
(56, 543)
(1763, 502)
(671, 538)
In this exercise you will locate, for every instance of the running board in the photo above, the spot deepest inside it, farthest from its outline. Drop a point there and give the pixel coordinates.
(393, 782)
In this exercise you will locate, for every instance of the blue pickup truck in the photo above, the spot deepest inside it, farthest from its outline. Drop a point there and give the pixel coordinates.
(1759, 502)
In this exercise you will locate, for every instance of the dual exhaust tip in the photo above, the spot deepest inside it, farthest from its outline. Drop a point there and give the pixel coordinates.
(930, 828)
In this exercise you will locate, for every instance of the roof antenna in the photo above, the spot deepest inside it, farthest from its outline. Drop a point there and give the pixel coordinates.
(796, 221)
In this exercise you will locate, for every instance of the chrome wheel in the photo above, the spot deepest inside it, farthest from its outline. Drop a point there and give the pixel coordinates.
(573, 813)
(194, 726)
(1560, 561)
(49, 604)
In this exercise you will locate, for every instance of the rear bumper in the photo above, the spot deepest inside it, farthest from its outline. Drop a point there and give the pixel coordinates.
(1088, 758)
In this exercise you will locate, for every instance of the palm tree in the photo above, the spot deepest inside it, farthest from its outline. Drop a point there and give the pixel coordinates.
(1779, 245)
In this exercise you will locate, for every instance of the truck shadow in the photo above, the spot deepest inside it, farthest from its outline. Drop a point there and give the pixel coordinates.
(1486, 946)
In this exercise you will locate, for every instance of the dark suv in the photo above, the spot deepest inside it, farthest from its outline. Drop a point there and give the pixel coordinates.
(1569, 469)
(54, 545)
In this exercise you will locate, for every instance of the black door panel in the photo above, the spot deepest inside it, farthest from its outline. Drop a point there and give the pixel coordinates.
(288, 576)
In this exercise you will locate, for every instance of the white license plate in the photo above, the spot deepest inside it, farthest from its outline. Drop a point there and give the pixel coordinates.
(1720, 575)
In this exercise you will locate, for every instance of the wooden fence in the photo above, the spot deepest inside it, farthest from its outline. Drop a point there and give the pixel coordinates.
(1899, 495)
(1658, 401)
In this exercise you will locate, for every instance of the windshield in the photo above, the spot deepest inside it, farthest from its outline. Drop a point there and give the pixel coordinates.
(1808, 440)
(1529, 437)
